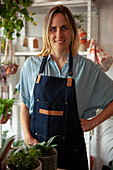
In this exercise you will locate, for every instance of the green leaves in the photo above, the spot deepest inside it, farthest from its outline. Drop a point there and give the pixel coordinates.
(5, 106)
(46, 148)
(18, 34)
(25, 3)
(27, 158)
(23, 159)
(19, 24)
(50, 140)
(12, 13)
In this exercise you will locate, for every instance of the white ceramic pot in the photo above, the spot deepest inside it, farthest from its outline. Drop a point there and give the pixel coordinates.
(35, 43)
(38, 168)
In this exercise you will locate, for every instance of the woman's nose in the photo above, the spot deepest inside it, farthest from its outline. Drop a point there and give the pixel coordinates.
(59, 33)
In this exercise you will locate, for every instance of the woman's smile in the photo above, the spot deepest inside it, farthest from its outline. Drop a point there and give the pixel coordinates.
(60, 41)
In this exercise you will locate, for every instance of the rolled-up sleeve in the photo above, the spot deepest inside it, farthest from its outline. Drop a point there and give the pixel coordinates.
(23, 85)
(94, 89)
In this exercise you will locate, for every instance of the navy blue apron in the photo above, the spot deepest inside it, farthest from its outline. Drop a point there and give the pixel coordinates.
(55, 113)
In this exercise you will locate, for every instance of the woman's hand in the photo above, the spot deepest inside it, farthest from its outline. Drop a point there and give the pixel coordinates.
(25, 118)
(87, 125)
(29, 140)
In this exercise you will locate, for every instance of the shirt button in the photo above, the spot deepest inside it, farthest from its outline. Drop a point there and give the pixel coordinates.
(63, 138)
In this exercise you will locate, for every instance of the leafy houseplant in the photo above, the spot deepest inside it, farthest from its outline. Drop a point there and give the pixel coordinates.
(25, 158)
(5, 109)
(47, 154)
(12, 14)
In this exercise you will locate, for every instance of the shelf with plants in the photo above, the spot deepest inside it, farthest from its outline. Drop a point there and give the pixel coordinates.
(12, 16)
(86, 7)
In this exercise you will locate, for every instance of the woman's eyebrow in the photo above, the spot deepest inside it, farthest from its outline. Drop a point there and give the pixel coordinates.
(60, 26)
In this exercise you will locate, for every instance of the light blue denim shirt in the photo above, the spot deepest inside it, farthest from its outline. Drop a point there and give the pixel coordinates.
(94, 89)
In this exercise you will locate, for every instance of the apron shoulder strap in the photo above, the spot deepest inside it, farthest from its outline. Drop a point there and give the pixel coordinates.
(43, 64)
(70, 64)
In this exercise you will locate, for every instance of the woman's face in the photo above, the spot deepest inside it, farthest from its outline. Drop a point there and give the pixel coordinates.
(59, 33)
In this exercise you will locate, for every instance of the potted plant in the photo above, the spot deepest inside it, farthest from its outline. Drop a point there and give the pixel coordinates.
(5, 109)
(47, 154)
(25, 158)
(12, 15)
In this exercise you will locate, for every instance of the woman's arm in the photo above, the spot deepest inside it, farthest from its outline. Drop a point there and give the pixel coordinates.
(92, 123)
(25, 118)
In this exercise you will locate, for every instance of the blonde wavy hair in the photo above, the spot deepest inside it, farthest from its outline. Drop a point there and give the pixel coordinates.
(74, 46)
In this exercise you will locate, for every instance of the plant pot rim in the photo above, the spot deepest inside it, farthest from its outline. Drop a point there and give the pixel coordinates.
(48, 156)
(40, 165)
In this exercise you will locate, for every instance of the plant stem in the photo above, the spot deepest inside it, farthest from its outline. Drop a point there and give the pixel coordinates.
(6, 50)
(11, 50)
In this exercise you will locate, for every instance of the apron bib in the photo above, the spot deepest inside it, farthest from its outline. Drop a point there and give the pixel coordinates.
(55, 113)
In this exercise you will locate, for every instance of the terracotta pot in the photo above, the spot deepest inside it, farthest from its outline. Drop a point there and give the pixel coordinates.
(11, 68)
(4, 120)
(83, 39)
(91, 162)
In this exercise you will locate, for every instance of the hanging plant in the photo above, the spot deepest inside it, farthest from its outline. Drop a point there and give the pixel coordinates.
(12, 15)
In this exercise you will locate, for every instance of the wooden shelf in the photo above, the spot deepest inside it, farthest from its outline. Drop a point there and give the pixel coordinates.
(83, 53)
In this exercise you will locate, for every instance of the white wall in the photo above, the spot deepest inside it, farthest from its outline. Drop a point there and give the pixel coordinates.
(99, 146)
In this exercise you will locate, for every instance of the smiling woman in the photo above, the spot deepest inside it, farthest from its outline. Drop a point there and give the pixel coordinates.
(60, 38)
(59, 35)
(60, 90)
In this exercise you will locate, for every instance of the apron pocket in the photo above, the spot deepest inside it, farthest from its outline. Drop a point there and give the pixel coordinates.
(51, 119)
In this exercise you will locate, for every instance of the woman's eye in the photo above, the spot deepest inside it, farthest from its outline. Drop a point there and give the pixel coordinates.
(52, 29)
(64, 28)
